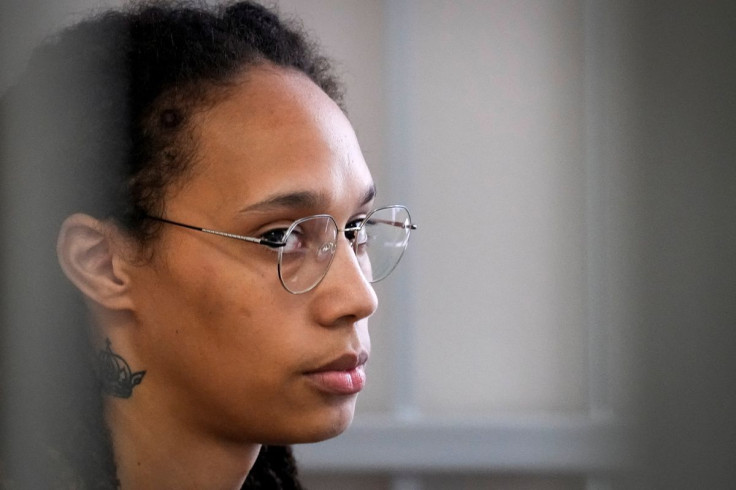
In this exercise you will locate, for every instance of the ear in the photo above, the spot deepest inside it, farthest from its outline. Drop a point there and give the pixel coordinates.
(89, 252)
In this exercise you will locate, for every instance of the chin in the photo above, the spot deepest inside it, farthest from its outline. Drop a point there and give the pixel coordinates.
(333, 430)
(318, 426)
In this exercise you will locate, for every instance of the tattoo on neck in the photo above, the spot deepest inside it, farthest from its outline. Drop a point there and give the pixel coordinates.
(115, 375)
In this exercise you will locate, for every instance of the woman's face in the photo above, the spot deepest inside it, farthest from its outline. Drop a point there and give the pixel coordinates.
(227, 350)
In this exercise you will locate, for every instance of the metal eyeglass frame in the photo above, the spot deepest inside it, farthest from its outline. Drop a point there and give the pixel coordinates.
(276, 245)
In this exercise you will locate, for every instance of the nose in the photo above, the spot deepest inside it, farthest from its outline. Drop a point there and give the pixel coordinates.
(344, 295)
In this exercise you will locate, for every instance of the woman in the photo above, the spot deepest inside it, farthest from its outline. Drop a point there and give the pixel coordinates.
(214, 210)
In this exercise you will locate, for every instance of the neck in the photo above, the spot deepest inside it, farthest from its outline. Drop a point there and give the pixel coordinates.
(151, 451)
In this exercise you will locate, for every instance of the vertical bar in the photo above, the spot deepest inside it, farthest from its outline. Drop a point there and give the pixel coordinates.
(400, 177)
(400, 171)
(595, 216)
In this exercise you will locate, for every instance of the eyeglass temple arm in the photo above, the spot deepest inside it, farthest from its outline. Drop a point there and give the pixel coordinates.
(260, 241)
(398, 224)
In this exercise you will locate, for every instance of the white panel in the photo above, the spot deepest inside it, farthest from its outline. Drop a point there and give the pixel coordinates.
(494, 137)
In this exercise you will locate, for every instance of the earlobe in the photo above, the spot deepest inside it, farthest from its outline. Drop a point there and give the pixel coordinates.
(89, 256)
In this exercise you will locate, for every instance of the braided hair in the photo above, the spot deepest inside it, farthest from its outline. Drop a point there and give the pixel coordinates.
(101, 124)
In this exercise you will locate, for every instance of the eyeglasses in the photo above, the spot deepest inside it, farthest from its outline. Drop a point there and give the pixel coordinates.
(307, 247)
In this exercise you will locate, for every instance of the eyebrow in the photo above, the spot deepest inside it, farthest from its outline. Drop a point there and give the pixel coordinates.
(301, 199)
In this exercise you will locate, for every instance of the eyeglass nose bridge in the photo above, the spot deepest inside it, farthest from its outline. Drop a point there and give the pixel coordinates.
(351, 233)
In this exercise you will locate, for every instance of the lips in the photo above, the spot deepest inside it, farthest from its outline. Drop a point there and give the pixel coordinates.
(343, 376)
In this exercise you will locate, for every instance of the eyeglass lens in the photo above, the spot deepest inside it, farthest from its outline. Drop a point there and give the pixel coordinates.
(311, 243)
(381, 241)
(310, 248)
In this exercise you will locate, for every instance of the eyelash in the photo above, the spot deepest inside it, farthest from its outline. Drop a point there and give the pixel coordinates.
(277, 234)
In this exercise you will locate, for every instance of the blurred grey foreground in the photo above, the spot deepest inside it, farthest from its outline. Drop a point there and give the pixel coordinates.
(61, 141)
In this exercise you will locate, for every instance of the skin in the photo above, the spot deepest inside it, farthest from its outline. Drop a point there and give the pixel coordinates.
(226, 349)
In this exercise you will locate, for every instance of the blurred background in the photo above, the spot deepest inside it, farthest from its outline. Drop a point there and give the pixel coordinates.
(565, 317)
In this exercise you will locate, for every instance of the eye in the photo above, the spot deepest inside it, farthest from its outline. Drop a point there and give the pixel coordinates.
(294, 241)
(355, 233)
(277, 235)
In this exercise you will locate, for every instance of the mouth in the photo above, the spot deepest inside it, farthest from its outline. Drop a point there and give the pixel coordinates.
(342, 376)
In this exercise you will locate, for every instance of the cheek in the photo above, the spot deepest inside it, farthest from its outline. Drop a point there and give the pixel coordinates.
(201, 282)
(209, 346)
(195, 314)
(214, 314)
(225, 351)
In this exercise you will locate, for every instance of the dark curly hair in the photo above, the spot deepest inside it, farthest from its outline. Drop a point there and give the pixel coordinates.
(101, 123)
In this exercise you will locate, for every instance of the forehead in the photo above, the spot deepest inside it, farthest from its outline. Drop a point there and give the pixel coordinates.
(276, 132)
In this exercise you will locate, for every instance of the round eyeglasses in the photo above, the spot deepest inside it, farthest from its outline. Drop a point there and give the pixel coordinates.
(307, 247)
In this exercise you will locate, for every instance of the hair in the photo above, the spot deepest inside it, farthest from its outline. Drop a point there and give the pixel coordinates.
(101, 123)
